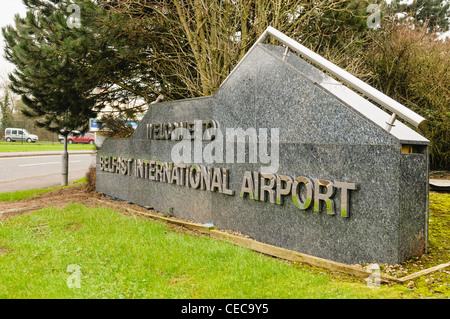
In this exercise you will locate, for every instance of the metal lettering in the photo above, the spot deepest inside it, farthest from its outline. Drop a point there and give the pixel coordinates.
(258, 186)
(181, 168)
(190, 128)
(168, 130)
(325, 197)
(284, 185)
(150, 131)
(122, 166)
(166, 172)
(115, 165)
(152, 170)
(174, 136)
(256, 179)
(158, 172)
(345, 196)
(139, 171)
(110, 161)
(216, 183)
(175, 174)
(129, 163)
(195, 182)
(225, 188)
(247, 185)
(296, 194)
(156, 130)
(146, 163)
(268, 188)
(187, 170)
(205, 177)
(198, 147)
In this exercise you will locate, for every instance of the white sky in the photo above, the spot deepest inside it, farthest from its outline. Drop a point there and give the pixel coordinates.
(8, 9)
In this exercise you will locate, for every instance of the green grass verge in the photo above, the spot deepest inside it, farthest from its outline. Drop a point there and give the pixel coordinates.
(20, 195)
(439, 249)
(41, 146)
(124, 257)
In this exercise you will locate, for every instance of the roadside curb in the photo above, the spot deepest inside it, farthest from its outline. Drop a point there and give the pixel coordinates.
(42, 153)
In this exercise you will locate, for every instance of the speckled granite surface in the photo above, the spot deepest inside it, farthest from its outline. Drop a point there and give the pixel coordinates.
(321, 136)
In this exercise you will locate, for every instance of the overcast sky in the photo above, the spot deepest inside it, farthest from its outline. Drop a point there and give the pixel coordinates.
(8, 9)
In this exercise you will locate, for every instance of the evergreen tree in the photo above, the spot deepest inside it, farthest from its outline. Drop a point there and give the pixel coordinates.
(53, 84)
(433, 13)
(5, 107)
(49, 54)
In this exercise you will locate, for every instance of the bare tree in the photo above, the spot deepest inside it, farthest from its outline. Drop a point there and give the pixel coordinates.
(200, 41)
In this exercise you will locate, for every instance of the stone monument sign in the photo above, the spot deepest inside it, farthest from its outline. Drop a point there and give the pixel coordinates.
(285, 154)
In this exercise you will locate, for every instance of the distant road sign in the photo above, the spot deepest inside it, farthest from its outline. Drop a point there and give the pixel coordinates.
(93, 125)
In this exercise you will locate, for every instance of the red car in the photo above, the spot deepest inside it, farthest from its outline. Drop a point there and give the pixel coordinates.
(83, 138)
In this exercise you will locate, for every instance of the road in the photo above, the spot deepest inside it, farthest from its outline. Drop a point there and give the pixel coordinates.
(32, 172)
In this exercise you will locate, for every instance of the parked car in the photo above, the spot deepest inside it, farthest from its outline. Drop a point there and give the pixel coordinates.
(77, 137)
(61, 138)
(19, 134)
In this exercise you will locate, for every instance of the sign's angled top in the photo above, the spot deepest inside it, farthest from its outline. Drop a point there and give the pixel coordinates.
(348, 96)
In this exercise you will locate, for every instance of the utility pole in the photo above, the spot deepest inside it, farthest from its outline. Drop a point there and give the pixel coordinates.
(65, 162)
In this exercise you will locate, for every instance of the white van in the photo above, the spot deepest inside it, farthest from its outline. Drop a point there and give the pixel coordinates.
(19, 134)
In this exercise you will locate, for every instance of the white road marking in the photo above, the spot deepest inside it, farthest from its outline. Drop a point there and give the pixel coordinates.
(36, 164)
(40, 156)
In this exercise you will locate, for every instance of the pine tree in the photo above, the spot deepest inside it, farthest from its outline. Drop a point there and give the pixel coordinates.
(5, 107)
(57, 91)
(433, 13)
(50, 75)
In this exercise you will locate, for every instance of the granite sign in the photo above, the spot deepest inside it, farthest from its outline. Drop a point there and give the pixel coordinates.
(285, 154)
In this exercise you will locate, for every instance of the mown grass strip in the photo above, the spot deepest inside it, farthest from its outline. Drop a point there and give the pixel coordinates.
(124, 257)
(266, 248)
(44, 146)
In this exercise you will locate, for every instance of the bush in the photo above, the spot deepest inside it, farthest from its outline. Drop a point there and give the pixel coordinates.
(411, 66)
(90, 179)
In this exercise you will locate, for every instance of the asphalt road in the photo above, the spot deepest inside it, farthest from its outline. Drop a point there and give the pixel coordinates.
(32, 172)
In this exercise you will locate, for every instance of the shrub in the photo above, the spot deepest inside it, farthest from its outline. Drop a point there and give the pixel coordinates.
(412, 66)
(90, 179)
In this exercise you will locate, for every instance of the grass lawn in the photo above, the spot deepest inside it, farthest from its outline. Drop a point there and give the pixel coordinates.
(42, 146)
(122, 256)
